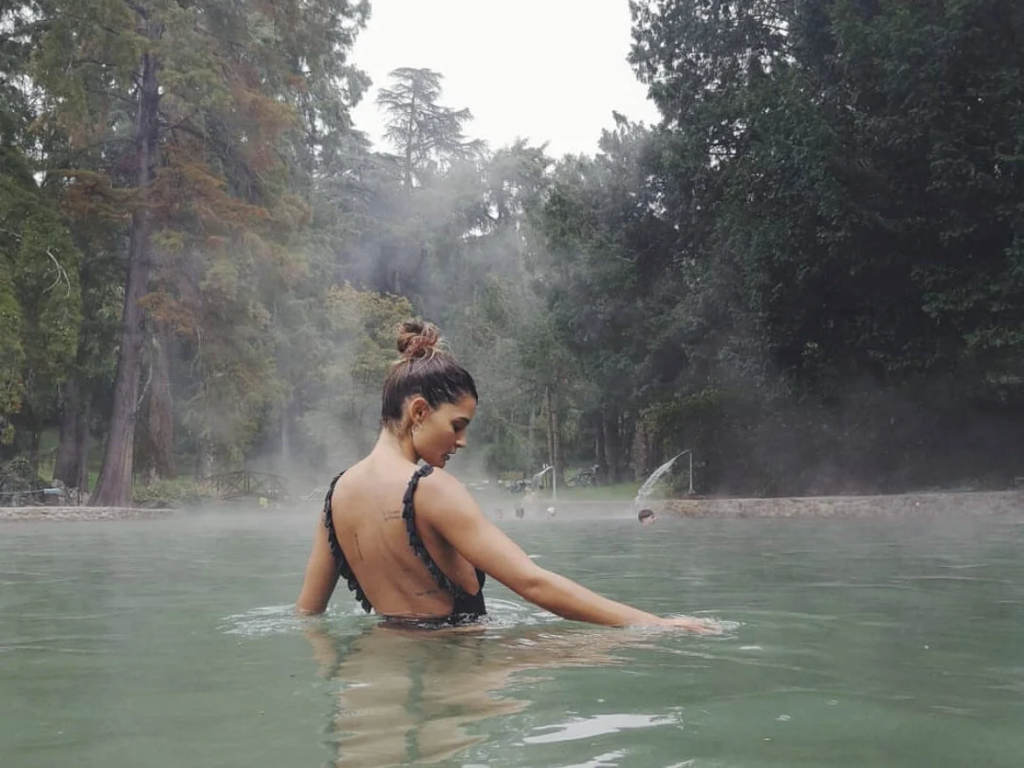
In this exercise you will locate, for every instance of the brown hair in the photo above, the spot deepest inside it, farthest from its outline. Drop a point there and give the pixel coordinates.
(426, 369)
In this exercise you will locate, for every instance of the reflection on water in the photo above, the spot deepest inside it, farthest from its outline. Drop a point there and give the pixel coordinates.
(408, 696)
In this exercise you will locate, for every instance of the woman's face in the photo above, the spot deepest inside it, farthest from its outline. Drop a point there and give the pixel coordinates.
(441, 431)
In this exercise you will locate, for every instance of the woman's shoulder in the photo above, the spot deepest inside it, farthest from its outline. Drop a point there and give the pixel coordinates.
(437, 477)
(441, 491)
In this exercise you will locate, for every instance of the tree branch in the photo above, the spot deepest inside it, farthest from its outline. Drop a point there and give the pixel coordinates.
(118, 96)
(61, 272)
(145, 385)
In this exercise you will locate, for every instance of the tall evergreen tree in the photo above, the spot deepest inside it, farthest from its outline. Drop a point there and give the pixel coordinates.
(208, 91)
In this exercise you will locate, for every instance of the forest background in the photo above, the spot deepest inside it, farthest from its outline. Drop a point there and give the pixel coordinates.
(809, 272)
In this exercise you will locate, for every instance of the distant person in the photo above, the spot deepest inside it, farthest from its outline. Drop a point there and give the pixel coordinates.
(520, 512)
(411, 542)
(646, 516)
(530, 501)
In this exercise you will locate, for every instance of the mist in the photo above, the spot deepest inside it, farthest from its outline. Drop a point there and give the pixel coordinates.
(765, 286)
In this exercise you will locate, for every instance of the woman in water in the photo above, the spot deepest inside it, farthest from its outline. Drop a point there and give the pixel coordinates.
(411, 542)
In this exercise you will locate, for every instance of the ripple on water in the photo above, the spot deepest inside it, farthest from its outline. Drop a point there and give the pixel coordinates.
(607, 760)
(596, 725)
(264, 621)
(282, 619)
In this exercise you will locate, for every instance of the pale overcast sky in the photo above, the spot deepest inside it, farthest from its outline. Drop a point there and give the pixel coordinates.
(546, 70)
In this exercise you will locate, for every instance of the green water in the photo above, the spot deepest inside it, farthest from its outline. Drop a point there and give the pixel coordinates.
(859, 643)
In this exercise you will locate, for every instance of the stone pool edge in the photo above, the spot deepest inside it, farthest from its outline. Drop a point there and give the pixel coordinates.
(978, 503)
(80, 514)
(971, 503)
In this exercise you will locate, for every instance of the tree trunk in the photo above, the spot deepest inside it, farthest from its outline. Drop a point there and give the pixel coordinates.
(531, 441)
(33, 447)
(599, 449)
(113, 488)
(407, 175)
(554, 437)
(65, 468)
(82, 443)
(559, 460)
(203, 460)
(612, 449)
(550, 424)
(286, 433)
(159, 414)
(628, 428)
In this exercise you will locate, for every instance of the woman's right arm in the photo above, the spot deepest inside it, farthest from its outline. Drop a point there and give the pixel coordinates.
(449, 508)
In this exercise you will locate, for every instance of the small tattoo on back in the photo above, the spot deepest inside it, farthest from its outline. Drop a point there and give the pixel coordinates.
(392, 514)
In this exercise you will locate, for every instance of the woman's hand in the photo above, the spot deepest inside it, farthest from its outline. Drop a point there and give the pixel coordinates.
(693, 624)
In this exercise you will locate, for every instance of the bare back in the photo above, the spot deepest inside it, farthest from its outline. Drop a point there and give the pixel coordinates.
(367, 510)
(422, 550)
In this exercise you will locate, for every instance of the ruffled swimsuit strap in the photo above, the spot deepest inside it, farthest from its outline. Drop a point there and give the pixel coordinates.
(344, 569)
(409, 516)
(466, 606)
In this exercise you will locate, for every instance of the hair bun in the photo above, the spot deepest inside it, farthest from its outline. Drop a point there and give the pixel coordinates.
(418, 339)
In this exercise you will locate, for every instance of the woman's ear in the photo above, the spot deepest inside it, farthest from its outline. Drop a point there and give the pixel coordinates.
(419, 409)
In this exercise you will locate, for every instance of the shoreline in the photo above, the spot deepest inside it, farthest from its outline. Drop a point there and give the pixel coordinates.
(81, 514)
(938, 503)
(944, 504)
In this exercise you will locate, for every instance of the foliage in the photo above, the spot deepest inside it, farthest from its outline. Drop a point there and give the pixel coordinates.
(170, 493)
(366, 323)
(40, 297)
(810, 272)
(361, 338)
(19, 483)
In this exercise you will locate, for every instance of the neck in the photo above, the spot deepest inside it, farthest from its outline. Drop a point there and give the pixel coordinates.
(393, 445)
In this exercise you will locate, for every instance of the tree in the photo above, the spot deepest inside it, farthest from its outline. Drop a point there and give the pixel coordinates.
(211, 101)
(362, 327)
(848, 179)
(427, 135)
(40, 301)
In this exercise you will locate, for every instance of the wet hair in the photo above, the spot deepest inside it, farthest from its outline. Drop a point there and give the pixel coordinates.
(644, 514)
(426, 369)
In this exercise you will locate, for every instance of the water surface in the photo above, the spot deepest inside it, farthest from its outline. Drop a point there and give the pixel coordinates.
(172, 642)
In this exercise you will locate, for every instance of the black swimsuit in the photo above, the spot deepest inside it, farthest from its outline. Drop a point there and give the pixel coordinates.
(466, 607)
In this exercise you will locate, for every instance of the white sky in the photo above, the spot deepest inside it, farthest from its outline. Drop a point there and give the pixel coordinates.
(546, 70)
